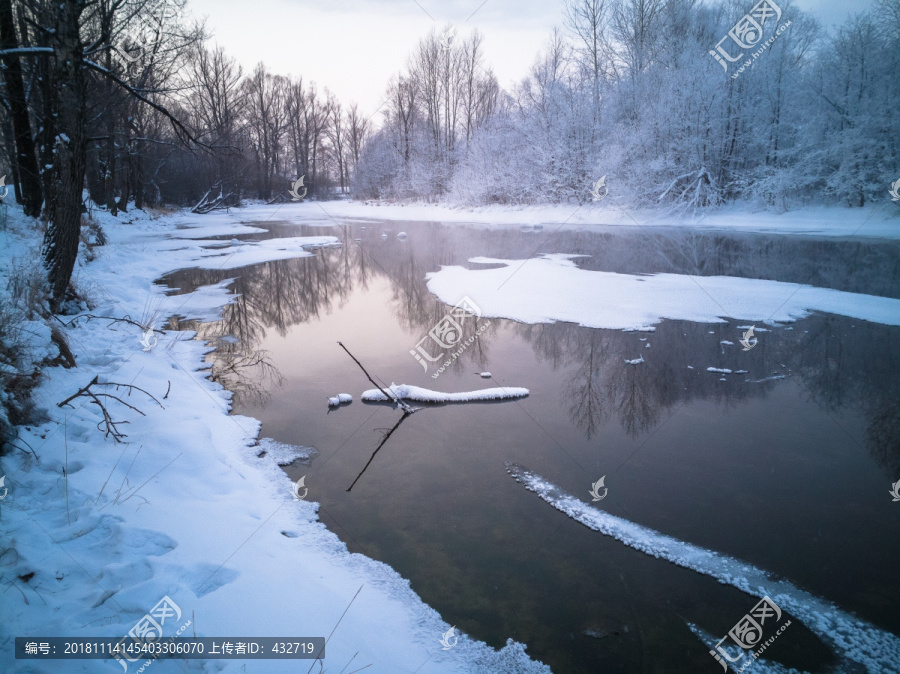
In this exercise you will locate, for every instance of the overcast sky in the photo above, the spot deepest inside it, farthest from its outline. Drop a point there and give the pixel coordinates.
(354, 46)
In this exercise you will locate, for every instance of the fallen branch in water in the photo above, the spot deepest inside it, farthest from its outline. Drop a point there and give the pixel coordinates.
(408, 409)
(378, 448)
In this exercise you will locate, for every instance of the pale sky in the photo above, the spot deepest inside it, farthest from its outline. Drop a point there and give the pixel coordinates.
(354, 46)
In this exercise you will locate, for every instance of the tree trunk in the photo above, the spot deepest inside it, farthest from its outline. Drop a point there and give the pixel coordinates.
(46, 134)
(28, 174)
(10, 146)
(60, 247)
(110, 159)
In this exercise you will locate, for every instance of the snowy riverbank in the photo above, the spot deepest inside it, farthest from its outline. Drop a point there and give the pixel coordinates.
(881, 221)
(97, 533)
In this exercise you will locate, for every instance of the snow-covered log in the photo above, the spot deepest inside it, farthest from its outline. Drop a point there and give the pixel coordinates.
(424, 395)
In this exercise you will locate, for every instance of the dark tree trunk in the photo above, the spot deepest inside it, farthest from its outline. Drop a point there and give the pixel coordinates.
(28, 174)
(46, 135)
(110, 159)
(61, 239)
(138, 182)
(10, 145)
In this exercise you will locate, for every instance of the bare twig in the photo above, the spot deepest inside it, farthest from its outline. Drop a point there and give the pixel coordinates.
(184, 135)
(339, 619)
(149, 478)
(126, 319)
(108, 477)
(66, 442)
(111, 427)
(29, 447)
(378, 448)
(125, 479)
(348, 664)
(79, 393)
(402, 405)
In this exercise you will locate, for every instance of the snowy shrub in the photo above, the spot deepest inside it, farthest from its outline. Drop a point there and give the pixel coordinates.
(26, 338)
(17, 373)
(92, 235)
(26, 285)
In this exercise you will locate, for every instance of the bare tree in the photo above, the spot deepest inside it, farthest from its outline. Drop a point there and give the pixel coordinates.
(267, 123)
(337, 134)
(25, 169)
(587, 20)
(358, 130)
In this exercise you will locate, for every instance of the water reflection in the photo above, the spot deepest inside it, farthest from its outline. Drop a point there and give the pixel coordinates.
(838, 362)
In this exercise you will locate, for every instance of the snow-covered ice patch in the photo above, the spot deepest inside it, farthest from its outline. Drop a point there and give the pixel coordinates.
(205, 231)
(721, 370)
(424, 395)
(851, 638)
(254, 252)
(284, 454)
(760, 665)
(811, 220)
(636, 361)
(552, 288)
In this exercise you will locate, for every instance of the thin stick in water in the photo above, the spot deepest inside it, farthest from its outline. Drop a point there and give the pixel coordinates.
(406, 408)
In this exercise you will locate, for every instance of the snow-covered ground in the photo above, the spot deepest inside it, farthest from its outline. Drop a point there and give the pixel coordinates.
(190, 507)
(882, 221)
(552, 288)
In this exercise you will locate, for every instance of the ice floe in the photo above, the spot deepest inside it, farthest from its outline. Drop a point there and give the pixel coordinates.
(552, 288)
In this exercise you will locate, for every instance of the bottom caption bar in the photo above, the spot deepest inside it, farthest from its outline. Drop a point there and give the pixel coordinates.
(190, 648)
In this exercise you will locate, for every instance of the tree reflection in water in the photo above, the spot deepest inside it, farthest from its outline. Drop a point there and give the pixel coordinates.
(839, 363)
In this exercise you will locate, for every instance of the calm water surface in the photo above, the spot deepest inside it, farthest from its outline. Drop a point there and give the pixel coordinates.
(791, 474)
